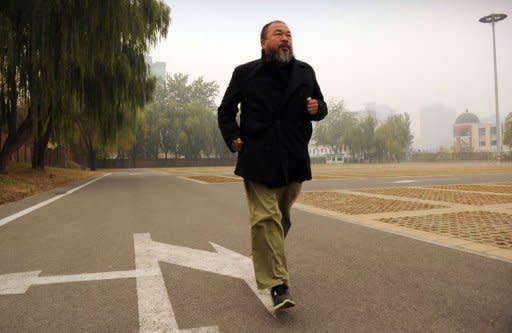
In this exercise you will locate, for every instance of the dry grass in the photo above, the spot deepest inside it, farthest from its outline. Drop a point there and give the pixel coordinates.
(340, 171)
(22, 181)
(344, 171)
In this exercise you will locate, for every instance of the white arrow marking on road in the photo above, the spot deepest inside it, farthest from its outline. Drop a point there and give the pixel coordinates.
(224, 262)
(155, 309)
(17, 283)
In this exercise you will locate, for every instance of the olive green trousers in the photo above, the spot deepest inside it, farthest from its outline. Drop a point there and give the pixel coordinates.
(269, 210)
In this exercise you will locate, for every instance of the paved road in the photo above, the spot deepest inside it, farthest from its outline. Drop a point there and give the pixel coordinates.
(91, 265)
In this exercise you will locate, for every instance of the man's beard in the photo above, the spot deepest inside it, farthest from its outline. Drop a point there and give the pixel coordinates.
(280, 57)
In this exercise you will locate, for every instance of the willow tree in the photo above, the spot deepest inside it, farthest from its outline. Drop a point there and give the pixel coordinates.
(507, 135)
(111, 101)
(15, 115)
(180, 118)
(329, 132)
(56, 52)
(395, 136)
(367, 126)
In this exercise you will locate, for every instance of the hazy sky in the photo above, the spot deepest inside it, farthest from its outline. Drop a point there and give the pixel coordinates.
(405, 54)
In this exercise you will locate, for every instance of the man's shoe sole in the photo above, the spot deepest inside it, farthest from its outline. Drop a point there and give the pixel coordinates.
(287, 303)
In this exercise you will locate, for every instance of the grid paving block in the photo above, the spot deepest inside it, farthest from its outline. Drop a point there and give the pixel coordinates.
(477, 199)
(477, 188)
(354, 204)
(216, 179)
(483, 227)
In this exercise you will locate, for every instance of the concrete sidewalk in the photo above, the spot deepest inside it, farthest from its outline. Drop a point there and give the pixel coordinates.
(475, 217)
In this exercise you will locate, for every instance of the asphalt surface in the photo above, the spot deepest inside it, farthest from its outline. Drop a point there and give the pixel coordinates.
(345, 277)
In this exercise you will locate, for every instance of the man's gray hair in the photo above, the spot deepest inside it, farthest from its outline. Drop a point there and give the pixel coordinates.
(264, 30)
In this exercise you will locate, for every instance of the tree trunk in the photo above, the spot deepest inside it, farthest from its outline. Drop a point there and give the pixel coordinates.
(133, 156)
(3, 159)
(3, 165)
(91, 156)
(40, 146)
(14, 141)
(37, 155)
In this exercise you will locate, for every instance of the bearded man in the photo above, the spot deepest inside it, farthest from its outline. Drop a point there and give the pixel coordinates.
(279, 97)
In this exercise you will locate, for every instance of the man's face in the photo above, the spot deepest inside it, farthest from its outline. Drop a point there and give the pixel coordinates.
(278, 43)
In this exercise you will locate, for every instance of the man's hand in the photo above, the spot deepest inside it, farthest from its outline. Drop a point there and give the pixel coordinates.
(312, 106)
(237, 144)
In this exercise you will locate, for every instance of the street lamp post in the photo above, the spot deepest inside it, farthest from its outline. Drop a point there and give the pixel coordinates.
(493, 18)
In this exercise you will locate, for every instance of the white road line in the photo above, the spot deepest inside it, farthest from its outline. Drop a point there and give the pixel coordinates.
(18, 283)
(92, 277)
(193, 180)
(404, 181)
(13, 217)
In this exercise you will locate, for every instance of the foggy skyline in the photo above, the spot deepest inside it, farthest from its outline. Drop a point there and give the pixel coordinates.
(436, 127)
(404, 54)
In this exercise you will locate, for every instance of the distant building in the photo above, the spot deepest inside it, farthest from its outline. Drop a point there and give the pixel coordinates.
(436, 122)
(369, 110)
(318, 151)
(363, 114)
(380, 112)
(156, 68)
(470, 135)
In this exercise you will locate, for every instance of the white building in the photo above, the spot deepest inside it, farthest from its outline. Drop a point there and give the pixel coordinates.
(317, 151)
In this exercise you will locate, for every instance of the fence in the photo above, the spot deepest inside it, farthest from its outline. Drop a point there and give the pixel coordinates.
(53, 156)
(161, 163)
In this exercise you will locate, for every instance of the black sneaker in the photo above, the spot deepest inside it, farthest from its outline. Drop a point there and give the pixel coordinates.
(281, 297)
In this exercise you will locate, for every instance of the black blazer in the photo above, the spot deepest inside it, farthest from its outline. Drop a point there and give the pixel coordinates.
(274, 123)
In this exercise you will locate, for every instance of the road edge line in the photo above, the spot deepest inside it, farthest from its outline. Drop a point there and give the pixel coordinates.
(28, 210)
